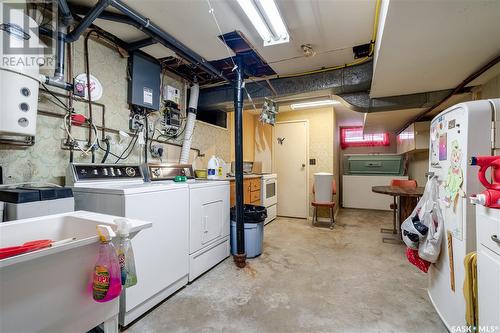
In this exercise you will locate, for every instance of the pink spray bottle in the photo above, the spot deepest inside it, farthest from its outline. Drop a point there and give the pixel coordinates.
(106, 281)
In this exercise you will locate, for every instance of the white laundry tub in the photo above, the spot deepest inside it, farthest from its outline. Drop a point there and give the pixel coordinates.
(49, 290)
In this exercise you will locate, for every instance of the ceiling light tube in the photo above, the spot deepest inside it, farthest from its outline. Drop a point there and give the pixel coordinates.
(274, 18)
(312, 104)
(256, 19)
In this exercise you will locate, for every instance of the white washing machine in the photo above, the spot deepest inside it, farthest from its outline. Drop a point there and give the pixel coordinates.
(161, 252)
(209, 221)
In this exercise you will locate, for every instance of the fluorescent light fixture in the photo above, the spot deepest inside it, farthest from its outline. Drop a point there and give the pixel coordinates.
(266, 19)
(312, 104)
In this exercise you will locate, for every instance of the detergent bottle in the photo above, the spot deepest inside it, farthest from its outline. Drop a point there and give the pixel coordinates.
(221, 170)
(126, 254)
(491, 196)
(213, 168)
(106, 282)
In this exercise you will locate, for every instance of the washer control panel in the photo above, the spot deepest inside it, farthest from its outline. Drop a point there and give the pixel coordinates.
(106, 171)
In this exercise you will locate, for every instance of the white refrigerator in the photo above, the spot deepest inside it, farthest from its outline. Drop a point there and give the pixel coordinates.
(456, 134)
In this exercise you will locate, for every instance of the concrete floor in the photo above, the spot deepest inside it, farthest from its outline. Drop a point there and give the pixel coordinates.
(307, 280)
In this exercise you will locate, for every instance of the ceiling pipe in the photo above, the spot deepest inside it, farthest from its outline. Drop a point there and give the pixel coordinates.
(345, 80)
(87, 20)
(141, 43)
(65, 12)
(361, 101)
(105, 15)
(350, 84)
(457, 89)
(58, 80)
(168, 40)
(135, 19)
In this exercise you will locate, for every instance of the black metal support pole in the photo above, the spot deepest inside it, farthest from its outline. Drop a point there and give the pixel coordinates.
(240, 257)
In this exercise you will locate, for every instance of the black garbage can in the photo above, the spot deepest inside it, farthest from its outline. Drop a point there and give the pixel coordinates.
(254, 217)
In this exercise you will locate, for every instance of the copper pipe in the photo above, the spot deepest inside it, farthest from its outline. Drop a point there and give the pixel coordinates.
(87, 69)
(115, 131)
(70, 97)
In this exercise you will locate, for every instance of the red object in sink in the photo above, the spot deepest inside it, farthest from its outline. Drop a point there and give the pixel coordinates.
(11, 251)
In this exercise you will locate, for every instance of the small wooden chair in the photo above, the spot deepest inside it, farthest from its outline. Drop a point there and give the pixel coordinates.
(329, 204)
(394, 206)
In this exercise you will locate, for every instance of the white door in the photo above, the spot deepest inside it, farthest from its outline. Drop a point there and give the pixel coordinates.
(209, 215)
(291, 167)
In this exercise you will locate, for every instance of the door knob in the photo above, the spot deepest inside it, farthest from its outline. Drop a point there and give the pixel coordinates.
(303, 165)
(495, 239)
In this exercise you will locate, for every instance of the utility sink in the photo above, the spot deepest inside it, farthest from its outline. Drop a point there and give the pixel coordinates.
(80, 224)
(49, 290)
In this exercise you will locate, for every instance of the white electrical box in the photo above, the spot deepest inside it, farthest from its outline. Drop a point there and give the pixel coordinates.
(19, 73)
(172, 94)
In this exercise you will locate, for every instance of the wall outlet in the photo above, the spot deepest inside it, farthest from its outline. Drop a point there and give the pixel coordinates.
(136, 122)
(156, 151)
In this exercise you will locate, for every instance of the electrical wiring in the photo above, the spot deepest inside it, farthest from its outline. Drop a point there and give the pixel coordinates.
(104, 149)
(356, 62)
(106, 152)
(161, 120)
(62, 104)
(134, 140)
(326, 69)
(145, 131)
(221, 34)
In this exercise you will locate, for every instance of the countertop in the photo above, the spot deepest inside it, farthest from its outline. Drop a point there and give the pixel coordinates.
(231, 178)
(399, 191)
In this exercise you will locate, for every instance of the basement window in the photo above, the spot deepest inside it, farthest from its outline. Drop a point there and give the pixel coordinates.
(354, 137)
(213, 117)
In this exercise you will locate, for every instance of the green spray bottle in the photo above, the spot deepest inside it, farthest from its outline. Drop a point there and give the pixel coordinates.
(126, 254)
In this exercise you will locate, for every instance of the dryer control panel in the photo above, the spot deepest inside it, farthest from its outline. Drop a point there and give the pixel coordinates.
(170, 171)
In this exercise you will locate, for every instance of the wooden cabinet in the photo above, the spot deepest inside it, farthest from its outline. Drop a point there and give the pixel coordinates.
(414, 138)
(251, 191)
(232, 193)
(247, 190)
(254, 184)
(255, 197)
